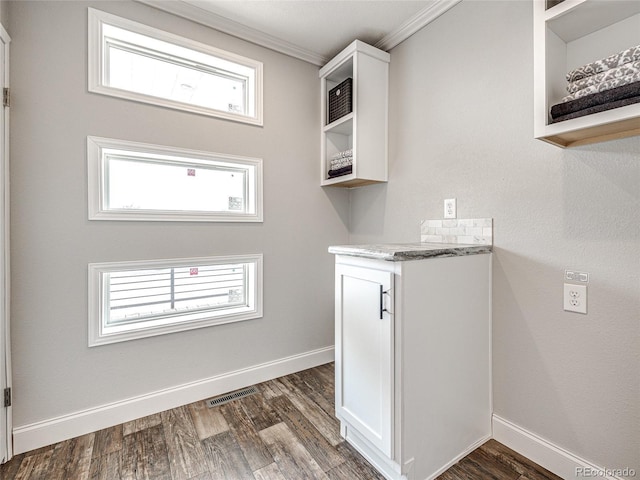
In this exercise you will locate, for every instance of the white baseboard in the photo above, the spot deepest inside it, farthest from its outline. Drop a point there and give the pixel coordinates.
(40, 434)
(552, 457)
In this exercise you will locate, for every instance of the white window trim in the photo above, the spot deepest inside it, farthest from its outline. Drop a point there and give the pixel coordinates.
(97, 334)
(96, 193)
(95, 74)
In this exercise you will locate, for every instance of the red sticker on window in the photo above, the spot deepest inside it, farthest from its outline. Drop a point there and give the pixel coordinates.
(193, 271)
(191, 172)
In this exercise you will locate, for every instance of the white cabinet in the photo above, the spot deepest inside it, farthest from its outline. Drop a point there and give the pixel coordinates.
(574, 33)
(413, 360)
(364, 336)
(364, 129)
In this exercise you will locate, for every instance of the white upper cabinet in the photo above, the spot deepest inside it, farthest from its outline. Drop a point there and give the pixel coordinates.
(354, 117)
(566, 36)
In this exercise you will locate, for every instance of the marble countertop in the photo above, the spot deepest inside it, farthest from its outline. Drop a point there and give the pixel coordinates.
(397, 252)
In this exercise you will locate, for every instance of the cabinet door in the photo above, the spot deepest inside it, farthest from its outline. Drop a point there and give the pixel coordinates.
(364, 353)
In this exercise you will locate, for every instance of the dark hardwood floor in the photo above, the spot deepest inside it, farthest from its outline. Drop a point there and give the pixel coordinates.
(286, 431)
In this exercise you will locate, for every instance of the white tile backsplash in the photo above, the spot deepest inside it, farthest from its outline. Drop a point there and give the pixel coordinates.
(475, 231)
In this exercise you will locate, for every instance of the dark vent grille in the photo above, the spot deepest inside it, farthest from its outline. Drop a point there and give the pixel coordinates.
(228, 397)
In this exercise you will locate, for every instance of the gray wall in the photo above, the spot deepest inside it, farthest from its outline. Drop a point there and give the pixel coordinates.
(461, 126)
(4, 13)
(54, 372)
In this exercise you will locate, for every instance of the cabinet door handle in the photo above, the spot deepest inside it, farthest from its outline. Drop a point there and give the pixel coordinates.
(382, 309)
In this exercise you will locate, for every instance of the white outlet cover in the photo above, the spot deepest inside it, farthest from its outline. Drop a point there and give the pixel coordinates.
(450, 208)
(575, 298)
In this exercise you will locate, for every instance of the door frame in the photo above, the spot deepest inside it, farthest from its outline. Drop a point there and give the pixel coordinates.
(6, 443)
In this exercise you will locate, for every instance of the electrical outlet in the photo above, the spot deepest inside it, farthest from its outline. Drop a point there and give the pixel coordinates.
(450, 208)
(575, 298)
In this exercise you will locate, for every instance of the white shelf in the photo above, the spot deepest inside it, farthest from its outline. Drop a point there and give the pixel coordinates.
(364, 130)
(343, 126)
(570, 34)
(571, 20)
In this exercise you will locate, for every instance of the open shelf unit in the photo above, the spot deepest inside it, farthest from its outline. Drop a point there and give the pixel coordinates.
(364, 129)
(571, 34)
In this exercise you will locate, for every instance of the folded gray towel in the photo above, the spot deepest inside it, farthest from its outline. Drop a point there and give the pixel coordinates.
(340, 171)
(597, 108)
(615, 94)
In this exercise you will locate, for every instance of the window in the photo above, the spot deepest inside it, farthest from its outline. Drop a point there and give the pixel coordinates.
(136, 181)
(133, 61)
(130, 300)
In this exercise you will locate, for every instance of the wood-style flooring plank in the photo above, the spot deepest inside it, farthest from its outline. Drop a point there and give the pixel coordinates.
(517, 462)
(29, 468)
(490, 464)
(347, 471)
(244, 431)
(25, 468)
(312, 392)
(141, 424)
(202, 476)
(144, 456)
(270, 472)
(184, 449)
(326, 424)
(473, 470)
(269, 389)
(71, 459)
(208, 421)
(454, 473)
(448, 475)
(355, 464)
(38, 451)
(320, 384)
(327, 372)
(260, 412)
(9, 469)
(327, 367)
(320, 449)
(225, 458)
(108, 440)
(106, 467)
(41, 469)
(293, 460)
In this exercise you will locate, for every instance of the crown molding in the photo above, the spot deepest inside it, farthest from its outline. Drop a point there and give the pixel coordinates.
(192, 11)
(195, 13)
(415, 23)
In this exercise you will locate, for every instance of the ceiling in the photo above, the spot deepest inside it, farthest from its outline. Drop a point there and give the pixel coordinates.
(312, 30)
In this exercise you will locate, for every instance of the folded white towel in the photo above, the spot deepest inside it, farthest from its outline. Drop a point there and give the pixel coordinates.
(603, 86)
(343, 154)
(612, 74)
(340, 162)
(612, 61)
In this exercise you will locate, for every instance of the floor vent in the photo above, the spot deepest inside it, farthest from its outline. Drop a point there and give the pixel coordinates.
(228, 397)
